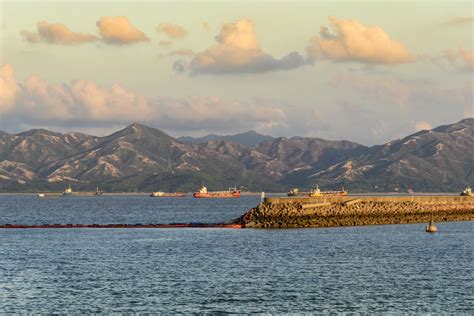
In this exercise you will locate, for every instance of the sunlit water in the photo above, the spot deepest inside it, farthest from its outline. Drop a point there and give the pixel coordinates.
(395, 268)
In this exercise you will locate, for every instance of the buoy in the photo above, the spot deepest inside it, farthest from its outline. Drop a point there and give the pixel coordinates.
(431, 228)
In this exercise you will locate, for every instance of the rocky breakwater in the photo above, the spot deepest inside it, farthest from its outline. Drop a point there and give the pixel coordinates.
(353, 211)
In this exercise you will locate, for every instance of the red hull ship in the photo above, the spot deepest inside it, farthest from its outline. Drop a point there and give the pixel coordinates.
(203, 193)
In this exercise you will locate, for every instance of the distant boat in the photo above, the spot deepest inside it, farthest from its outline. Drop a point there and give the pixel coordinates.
(467, 192)
(40, 195)
(318, 192)
(203, 193)
(431, 228)
(297, 192)
(168, 194)
(68, 190)
(98, 192)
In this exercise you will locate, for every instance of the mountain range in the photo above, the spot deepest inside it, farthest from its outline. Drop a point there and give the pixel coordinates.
(250, 138)
(140, 158)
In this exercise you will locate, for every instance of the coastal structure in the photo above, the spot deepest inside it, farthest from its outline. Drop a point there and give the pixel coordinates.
(332, 211)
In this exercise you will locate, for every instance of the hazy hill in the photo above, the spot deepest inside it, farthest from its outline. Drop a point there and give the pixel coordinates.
(250, 138)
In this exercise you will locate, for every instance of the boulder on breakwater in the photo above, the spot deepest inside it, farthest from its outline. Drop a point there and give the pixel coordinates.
(355, 211)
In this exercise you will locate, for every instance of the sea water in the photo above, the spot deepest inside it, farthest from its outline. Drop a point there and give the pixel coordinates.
(375, 269)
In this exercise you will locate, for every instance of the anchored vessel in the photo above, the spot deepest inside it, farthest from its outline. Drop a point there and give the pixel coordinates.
(98, 192)
(167, 194)
(296, 192)
(68, 191)
(203, 193)
(467, 192)
(317, 192)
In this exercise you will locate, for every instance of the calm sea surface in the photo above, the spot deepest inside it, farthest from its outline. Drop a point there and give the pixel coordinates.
(397, 268)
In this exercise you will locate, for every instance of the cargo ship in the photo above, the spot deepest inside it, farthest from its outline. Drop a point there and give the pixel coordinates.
(168, 194)
(316, 192)
(203, 193)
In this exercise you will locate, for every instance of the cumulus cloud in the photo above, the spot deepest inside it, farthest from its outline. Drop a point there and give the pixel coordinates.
(56, 33)
(85, 103)
(349, 40)
(8, 88)
(171, 30)
(118, 30)
(238, 51)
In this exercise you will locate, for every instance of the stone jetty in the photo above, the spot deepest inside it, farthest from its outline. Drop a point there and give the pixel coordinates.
(355, 211)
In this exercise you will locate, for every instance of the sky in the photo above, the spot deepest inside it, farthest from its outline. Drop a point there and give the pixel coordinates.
(365, 71)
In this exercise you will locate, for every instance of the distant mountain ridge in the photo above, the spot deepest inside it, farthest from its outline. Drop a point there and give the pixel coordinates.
(250, 138)
(141, 158)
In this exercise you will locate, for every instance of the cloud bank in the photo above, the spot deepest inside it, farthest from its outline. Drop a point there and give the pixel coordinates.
(238, 51)
(349, 40)
(118, 30)
(56, 33)
(85, 103)
(171, 30)
(460, 57)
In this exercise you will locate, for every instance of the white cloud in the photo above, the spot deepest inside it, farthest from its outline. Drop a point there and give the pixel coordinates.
(171, 30)
(238, 51)
(350, 40)
(56, 33)
(8, 88)
(118, 30)
(461, 58)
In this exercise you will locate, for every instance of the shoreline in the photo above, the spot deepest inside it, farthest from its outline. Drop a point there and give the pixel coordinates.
(276, 194)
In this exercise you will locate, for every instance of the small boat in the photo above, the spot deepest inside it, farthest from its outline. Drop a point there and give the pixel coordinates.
(98, 192)
(467, 192)
(230, 193)
(40, 195)
(68, 191)
(297, 192)
(318, 192)
(168, 194)
(431, 228)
